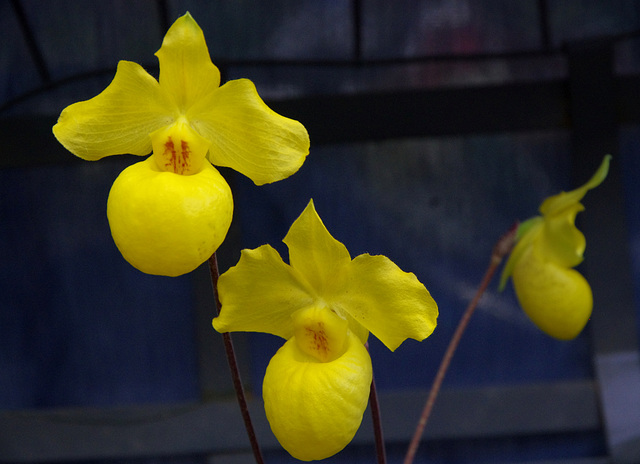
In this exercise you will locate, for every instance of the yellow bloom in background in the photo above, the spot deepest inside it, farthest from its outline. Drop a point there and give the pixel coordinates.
(324, 304)
(169, 213)
(556, 298)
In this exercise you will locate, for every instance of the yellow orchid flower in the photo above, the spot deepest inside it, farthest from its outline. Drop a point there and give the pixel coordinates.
(169, 213)
(556, 298)
(324, 304)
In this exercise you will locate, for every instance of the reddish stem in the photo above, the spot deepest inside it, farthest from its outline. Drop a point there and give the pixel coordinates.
(381, 452)
(500, 250)
(233, 365)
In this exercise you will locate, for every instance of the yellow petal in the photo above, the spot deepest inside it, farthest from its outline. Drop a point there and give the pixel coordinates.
(260, 294)
(560, 240)
(179, 149)
(167, 224)
(315, 408)
(527, 231)
(118, 120)
(247, 135)
(555, 204)
(387, 301)
(558, 300)
(314, 252)
(186, 71)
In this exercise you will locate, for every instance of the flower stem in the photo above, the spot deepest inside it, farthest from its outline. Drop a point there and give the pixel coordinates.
(233, 365)
(502, 248)
(381, 452)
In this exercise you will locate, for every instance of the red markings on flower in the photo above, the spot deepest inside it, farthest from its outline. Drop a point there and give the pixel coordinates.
(177, 161)
(320, 342)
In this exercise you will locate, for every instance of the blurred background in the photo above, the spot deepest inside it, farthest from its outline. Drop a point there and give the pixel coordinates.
(434, 126)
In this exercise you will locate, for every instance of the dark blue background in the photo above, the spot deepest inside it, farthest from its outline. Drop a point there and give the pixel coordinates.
(80, 327)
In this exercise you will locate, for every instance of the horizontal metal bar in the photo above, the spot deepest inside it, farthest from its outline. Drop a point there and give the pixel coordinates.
(28, 141)
(216, 427)
(438, 112)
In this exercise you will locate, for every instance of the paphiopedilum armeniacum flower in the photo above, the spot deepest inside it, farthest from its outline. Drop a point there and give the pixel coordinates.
(169, 213)
(556, 297)
(324, 304)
